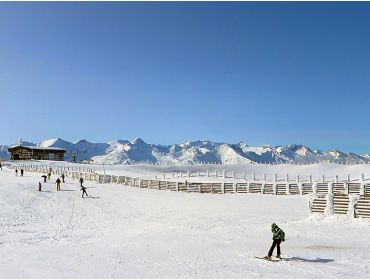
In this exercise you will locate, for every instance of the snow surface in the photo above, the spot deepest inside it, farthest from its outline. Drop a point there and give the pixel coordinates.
(123, 232)
(329, 170)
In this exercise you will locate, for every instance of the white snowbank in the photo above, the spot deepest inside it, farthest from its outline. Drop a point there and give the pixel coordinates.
(123, 232)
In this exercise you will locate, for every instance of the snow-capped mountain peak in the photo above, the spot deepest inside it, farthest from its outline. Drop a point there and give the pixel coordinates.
(190, 152)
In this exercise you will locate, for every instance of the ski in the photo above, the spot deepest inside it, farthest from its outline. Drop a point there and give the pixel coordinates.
(266, 259)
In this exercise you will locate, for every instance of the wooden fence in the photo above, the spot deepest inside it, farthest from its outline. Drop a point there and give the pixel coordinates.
(348, 197)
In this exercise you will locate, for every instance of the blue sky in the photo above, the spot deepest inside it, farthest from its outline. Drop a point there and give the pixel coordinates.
(262, 73)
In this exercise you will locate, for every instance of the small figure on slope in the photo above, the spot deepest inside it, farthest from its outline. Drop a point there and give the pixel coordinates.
(16, 172)
(62, 178)
(81, 181)
(58, 184)
(278, 236)
(49, 176)
(40, 186)
(83, 189)
(22, 171)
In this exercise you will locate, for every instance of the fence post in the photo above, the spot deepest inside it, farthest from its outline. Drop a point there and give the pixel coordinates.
(177, 186)
(330, 187)
(353, 199)
(314, 188)
(274, 188)
(329, 209)
(223, 187)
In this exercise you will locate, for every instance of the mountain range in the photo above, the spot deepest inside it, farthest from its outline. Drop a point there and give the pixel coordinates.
(190, 152)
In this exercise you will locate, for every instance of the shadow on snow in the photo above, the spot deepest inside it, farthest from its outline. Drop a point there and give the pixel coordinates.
(317, 260)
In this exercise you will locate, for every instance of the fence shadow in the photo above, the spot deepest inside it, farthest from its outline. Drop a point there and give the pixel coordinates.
(317, 260)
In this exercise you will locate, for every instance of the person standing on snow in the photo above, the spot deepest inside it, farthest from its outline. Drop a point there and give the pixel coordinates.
(278, 236)
(81, 181)
(63, 178)
(22, 172)
(83, 189)
(58, 184)
(16, 172)
(40, 186)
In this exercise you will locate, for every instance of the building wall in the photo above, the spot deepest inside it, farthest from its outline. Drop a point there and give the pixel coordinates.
(26, 154)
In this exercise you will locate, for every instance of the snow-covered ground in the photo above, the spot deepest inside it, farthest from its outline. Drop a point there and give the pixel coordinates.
(123, 232)
(329, 170)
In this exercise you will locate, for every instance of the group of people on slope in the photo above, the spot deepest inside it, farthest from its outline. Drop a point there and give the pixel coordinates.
(58, 183)
(21, 171)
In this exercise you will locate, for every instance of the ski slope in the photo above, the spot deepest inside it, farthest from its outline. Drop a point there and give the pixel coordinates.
(123, 232)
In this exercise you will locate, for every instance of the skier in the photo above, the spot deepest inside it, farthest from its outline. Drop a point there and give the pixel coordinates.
(83, 189)
(49, 175)
(63, 178)
(22, 172)
(40, 186)
(58, 184)
(44, 176)
(16, 172)
(278, 236)
(81, 181)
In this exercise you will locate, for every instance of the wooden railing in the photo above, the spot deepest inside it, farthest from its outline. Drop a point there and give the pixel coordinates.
(348, 197)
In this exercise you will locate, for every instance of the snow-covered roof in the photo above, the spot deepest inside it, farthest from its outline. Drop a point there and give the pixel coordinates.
(37, 148)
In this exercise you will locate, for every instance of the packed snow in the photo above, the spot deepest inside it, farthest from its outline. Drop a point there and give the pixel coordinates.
(124, 232)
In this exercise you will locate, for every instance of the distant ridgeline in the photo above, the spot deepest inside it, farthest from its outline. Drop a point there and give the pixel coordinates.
(137, 152)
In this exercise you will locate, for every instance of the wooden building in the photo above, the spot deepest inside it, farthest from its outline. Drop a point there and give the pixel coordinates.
(20, 152)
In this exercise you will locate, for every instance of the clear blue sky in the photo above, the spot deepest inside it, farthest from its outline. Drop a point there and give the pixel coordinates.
(263, 73)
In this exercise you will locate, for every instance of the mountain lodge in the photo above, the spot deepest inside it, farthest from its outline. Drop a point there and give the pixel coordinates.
(20, 152)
